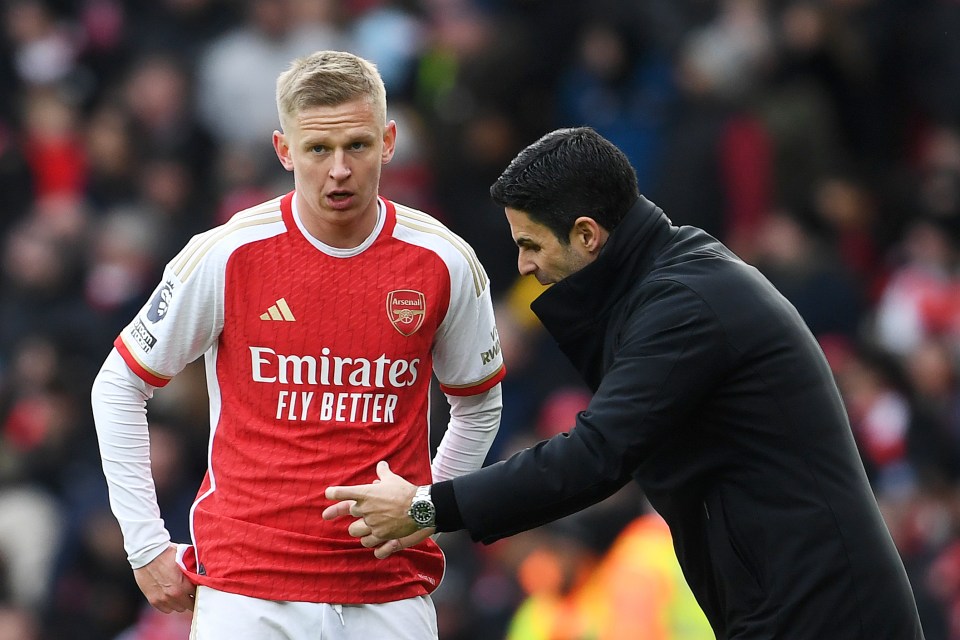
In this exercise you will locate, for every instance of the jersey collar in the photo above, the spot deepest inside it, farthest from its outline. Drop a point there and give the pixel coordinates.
(386, 219)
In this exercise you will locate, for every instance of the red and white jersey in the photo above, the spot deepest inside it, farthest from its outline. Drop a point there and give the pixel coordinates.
(318, 364)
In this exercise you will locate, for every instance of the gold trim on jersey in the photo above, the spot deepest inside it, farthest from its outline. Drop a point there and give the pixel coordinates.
(473, 384)
(410, 218)
(133, 354)
(191, 255)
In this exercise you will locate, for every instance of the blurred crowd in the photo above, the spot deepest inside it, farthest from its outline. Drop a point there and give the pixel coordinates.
(820, 139)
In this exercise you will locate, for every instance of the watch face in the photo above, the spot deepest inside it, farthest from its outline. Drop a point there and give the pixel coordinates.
(422, 512)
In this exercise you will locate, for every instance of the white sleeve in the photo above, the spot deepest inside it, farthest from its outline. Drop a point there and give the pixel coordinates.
(474, 422)
(119, 399)
(466, 350)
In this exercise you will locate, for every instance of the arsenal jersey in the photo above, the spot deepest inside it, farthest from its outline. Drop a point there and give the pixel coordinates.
(318, 364)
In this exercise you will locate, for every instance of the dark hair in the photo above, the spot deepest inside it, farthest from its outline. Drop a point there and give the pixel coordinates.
(566, 174)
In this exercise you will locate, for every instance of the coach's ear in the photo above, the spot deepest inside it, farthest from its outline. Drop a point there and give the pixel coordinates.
(282, 148)
(588, 235)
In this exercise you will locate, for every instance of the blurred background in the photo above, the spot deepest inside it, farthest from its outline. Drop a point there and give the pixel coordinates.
(820, 139)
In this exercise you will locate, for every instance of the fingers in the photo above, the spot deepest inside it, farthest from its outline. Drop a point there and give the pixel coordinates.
(371, 541)
(359, 529)
(345, 493)
(338, 510)
(387, 549)
(163, 606)
(383, 470)
(359, 491)
(164, 584)
(175, 599)
(183, 603)
(390, 547)
(185, 597)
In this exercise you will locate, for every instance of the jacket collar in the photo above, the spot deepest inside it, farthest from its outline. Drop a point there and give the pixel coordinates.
(579, 301)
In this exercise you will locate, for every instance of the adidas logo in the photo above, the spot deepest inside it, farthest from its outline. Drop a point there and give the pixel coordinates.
(279, 311)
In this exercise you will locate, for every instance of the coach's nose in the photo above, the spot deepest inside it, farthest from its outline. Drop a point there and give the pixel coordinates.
(525, 265)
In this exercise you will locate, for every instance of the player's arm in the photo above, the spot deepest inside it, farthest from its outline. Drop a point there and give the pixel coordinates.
(469, 366)
(119, 400)
(474, 422)
(178, 323)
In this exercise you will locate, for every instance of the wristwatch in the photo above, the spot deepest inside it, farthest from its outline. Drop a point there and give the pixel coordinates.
(422, 511)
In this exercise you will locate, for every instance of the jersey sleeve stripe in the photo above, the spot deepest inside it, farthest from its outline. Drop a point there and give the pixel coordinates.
(145, 373)
(476, 387)
(442, 230)
(479, 276)
(187, 265)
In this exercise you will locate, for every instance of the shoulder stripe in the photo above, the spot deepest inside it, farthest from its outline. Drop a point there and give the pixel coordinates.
(188, 259)
(265, 207)
(422, 222)
(199, 240)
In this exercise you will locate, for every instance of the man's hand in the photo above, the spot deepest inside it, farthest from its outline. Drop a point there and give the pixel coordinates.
(164, 584)
(383, 511)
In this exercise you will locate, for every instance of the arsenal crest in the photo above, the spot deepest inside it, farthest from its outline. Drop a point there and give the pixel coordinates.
(406, 309)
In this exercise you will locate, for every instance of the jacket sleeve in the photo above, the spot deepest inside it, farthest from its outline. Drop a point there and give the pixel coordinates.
(666, 359)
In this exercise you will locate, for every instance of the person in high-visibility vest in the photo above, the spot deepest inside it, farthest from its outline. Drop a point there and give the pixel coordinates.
(636, 592)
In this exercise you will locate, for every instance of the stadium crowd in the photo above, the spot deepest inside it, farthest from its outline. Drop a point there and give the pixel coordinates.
(820, 139)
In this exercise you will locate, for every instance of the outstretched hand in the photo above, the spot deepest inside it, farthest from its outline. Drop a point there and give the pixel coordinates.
(382, 508)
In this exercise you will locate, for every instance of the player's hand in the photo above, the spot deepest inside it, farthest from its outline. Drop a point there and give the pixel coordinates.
(164, 584)
(381, 505)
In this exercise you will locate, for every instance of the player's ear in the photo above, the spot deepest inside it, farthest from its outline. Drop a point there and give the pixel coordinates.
(282, 148)
(389, 142)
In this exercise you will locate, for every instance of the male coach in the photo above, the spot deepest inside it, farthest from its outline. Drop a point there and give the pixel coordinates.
(709, 391)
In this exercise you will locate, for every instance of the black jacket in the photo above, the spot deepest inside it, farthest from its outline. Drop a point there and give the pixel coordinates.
(711, 393)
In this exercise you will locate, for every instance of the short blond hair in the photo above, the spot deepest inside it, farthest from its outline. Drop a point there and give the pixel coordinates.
(328, 79)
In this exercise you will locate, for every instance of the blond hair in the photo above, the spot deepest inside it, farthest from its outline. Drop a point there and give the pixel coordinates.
(328, 79)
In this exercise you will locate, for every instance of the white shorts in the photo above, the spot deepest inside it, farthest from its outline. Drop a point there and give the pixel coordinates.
(219, 615)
